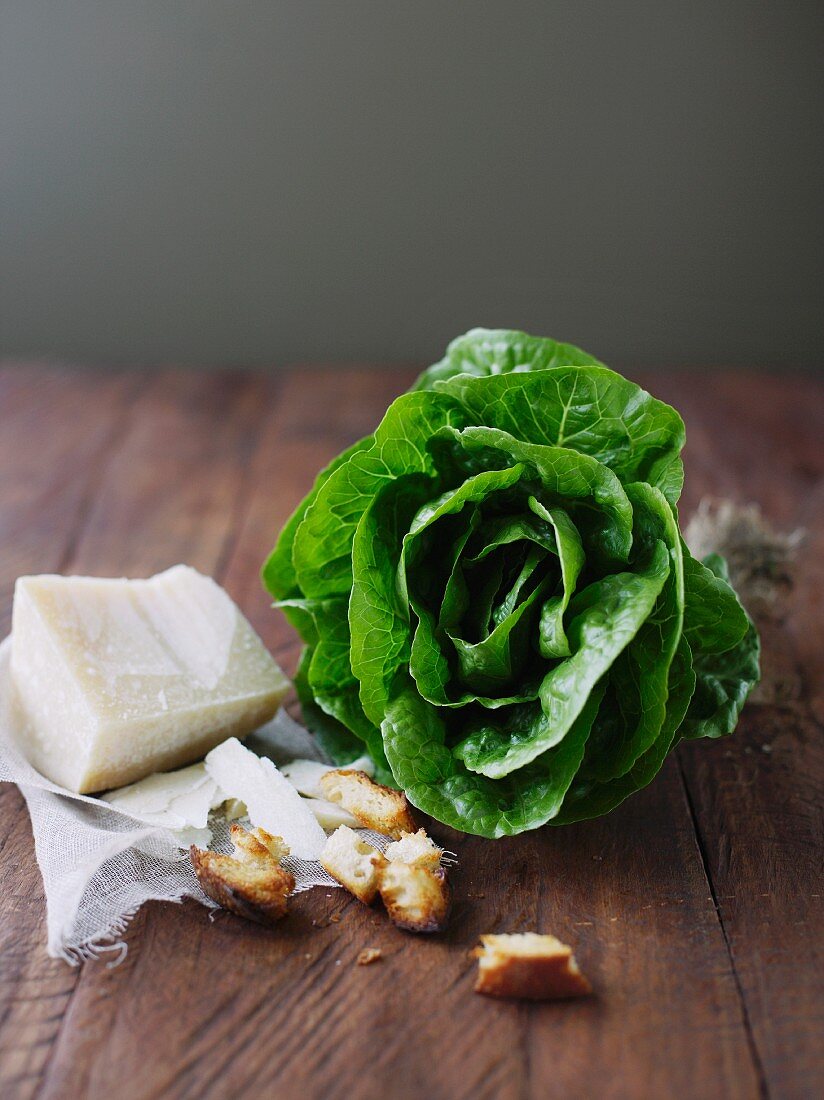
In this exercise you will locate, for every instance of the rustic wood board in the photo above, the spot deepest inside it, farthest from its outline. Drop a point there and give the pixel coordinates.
(696, 908)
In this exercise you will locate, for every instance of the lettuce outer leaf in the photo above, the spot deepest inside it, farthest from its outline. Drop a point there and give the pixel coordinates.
(725, 675)
(594, 412)
(438, 783)
(495, 596)
(638, 702)
(322, 547)
(278, 574)
(482, 352)
(593, 799)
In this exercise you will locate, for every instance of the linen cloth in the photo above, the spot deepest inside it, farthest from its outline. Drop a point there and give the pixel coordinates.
(99, 864)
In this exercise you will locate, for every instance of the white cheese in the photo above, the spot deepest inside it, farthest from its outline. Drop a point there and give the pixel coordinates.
(123, 678)
(330, 816)
(231, 808)
(306, 775)
(272, 803)
(177, 799)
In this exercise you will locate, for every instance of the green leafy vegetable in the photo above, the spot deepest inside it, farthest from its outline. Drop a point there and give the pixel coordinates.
(495, 597)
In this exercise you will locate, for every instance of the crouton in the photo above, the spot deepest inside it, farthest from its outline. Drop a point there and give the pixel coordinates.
(415, 898)
(354, 863)
(528, 966)
(251, 883)
(376, 807)
(416, 849)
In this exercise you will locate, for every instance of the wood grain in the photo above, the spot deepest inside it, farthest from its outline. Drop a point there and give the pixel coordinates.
(56, 429)
(703, 986)
(758, 800)
(171, 491)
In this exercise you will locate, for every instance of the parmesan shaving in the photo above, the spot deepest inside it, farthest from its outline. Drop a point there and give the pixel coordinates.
(331, 816)
(271, 801)
(179, 801)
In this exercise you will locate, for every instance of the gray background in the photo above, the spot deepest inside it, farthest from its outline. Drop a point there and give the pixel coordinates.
(260, 182)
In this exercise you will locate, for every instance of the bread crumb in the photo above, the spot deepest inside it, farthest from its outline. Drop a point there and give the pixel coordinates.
(369, 955)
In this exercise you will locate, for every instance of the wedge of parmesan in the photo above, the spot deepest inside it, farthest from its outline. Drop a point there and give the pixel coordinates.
(123, 678)
(271, 801)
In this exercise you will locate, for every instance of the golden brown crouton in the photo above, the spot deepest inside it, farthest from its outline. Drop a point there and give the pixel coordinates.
(529, 966)
(416, 898)
(416, 849)
(375, 806)
(250, 883)
(353, 862)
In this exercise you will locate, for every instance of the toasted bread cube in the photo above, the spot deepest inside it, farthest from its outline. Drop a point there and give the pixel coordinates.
(251, 883)
(417, 849)
(375, 806)
(415, 898)
(354, 863)
(529, 966)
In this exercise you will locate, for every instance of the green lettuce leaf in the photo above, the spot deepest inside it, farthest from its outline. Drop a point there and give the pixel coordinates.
(485, 351)
(726, 652)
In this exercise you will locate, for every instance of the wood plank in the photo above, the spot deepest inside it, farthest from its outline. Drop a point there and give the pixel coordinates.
(49, 469)
(303, 436)
(281, 460)
(226, 1004)
(175, 488)
(48, 466)
(758, 797)
(225, 1007)
(172, 493)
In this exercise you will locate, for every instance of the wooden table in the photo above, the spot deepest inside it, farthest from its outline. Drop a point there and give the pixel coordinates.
(696, 908)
